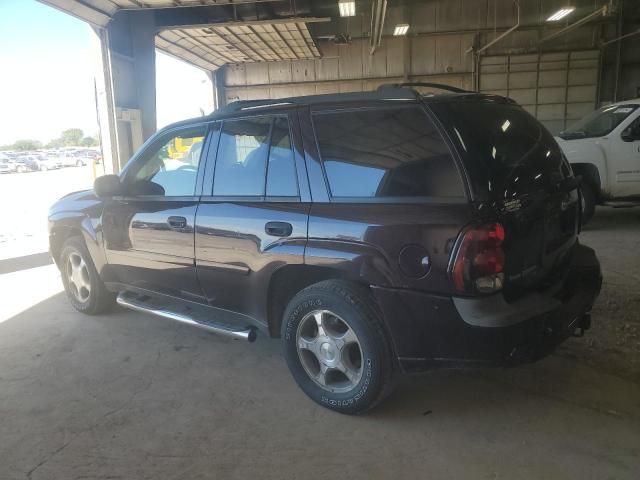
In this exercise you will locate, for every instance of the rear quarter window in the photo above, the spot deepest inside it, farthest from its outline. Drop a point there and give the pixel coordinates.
(505, 150)
(385, 153)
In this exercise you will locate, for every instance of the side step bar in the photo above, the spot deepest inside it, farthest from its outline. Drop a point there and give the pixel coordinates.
(129, 302)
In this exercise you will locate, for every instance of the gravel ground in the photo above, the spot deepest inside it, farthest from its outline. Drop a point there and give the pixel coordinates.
(613, 343)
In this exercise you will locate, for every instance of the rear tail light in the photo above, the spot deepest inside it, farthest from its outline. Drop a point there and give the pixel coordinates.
(479, 261)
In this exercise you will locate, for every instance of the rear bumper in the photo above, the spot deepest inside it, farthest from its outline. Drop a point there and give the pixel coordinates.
(429, 331)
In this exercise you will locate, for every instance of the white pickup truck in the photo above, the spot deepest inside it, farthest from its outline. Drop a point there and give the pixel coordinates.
(604, 148)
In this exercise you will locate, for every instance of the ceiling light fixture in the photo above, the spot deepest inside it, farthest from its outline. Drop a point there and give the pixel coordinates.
(401, 29)
(560, 14)
(347, 8)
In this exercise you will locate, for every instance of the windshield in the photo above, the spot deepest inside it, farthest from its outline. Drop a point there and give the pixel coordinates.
(599, 123)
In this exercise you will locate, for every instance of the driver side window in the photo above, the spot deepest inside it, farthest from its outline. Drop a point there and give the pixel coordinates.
(170, 166)
(632, 132)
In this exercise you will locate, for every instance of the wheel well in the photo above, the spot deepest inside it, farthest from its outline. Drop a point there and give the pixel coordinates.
(58, 236)
(288, 281)
(590, 175)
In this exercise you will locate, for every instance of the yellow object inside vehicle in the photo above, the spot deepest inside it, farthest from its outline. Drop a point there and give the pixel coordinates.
(181, 147)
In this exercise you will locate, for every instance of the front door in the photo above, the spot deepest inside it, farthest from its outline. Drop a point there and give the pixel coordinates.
(252, 219)
(149, 230)
(625, 158)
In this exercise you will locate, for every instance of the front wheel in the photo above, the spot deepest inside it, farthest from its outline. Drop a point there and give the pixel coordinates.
(84, 287)
(588, 198)
(336, 348)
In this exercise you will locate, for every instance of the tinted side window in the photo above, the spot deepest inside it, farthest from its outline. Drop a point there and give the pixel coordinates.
(395, 152)
(242, 157)
(251, 149)
(170, 166)
(281, 171)
(505, 150)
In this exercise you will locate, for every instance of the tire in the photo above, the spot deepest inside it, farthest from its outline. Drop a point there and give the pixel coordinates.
(588, 196)
(367, 360)
(85, 290)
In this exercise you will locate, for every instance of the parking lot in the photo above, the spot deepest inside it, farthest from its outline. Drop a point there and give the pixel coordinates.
(25, 199)
(127, 395)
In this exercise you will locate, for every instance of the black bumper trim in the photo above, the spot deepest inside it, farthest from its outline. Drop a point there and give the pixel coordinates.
(574, 295)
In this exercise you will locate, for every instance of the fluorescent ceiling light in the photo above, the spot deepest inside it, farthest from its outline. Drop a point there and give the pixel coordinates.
(506, 125)
(401, 29)
(560, 14)
(347, 8)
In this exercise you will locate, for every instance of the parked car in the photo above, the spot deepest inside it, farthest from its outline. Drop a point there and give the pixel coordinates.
(6, 165)
(374, 233)
(72, 159)
(604, 149)
(47, 162)
(94, 155)
(26, 163)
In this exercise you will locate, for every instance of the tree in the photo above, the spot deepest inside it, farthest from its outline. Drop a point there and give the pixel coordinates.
(27, 144)
(89, 142)
(55, 143)
(72, 137)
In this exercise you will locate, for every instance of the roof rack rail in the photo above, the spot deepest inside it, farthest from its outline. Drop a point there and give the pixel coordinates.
(238, 105)
(440, 86)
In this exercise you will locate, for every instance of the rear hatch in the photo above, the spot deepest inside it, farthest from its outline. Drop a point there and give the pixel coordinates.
(519, 177)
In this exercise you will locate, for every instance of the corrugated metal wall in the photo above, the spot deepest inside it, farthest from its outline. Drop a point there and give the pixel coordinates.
(558, 88)
(348, 68)
(557, 83)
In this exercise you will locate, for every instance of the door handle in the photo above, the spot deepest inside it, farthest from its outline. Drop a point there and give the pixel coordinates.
(177, 222)
(278, 229)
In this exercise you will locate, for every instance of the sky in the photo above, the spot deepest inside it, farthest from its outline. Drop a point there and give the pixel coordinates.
(47, 71)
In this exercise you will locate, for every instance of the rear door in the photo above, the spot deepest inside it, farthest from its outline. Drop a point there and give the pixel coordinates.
(252, 217)
(518, 174)
(149, 230)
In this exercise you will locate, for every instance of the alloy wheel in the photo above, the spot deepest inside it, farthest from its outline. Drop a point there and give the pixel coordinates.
(329, 351)
(78, 277)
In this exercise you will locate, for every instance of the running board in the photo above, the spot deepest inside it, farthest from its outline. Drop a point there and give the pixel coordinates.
(127, 300)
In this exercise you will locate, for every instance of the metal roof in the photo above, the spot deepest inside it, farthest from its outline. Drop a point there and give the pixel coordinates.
(212, 45)
(240, 42)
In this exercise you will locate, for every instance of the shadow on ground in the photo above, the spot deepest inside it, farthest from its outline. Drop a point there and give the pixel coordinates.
(127, 395)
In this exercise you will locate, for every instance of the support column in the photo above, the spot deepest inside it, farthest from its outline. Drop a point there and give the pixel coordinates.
(126, 85)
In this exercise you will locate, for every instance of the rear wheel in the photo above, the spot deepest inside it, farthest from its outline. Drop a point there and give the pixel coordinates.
(336, 348)
(84, 287)
(588, 198)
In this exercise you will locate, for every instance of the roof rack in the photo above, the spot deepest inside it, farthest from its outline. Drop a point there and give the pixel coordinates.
(238, 105)
(379, 94)
(440, 86)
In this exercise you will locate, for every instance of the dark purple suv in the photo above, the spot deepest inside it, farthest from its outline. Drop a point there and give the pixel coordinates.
(375, 233)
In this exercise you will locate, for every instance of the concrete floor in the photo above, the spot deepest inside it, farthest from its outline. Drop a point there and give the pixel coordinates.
(130, 396)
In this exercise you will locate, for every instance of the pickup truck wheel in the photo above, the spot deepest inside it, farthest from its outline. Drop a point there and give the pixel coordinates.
(336, 348)
(588, 197)
(81, 281)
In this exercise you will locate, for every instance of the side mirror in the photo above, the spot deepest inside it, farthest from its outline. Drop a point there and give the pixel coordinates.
(107, 186)
(631, 133)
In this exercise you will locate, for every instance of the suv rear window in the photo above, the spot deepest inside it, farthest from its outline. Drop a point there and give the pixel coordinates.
(506, 151)
(392, 152)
